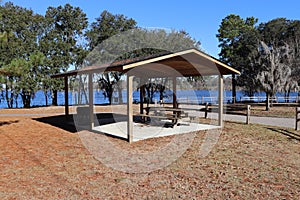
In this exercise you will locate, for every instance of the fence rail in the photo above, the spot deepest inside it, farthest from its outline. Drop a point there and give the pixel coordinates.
(229, 99)
(274, 99)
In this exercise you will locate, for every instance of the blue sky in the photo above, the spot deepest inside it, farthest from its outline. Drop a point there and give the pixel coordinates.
(199, 18)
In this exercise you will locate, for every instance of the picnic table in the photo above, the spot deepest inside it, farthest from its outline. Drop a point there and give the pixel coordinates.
(162, 113)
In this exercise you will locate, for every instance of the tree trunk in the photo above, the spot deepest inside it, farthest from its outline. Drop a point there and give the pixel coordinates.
(79, 97)
(120, 95)
(85, 96)
(161, 95)
(26, 100)
(54, 98)
(267, 101)
(110, 99)
(288, 96)
(46, 98)
(9, 100)
(110, 93)
(81, 88)
(16, 99)
(152, 94)
(233, 88)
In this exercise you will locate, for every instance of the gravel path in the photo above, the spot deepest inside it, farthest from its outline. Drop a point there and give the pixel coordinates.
(21, 115)
(272, 121)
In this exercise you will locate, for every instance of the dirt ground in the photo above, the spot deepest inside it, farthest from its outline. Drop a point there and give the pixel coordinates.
(42, 161)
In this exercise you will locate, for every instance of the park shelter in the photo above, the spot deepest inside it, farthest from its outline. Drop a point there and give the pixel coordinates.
(186, 63)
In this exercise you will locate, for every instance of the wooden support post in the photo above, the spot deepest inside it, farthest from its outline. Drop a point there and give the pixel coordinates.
(221, 87)
(91, 101)
(206, 110)
(297, 118)
(174, 92)
(248, 114)
(129, 109)
(66, 96)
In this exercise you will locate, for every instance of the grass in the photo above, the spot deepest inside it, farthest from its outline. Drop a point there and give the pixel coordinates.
(275, 111)
(39, 161)
(260, 110)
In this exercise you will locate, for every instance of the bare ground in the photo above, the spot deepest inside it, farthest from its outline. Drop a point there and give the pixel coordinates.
(41, 161)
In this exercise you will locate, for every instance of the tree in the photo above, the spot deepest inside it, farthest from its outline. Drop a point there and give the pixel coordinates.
(294, 42)
(133, 43)
(106, 26)
(237, 40)
(63, 32)
(276, 71)
(106, 83)
(279, 56)
(25, 76)
(21, 27)
(248, 67)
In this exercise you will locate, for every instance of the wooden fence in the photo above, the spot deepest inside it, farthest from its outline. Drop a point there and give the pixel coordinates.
(229, 99)
(297, 118)
(244, 110)
(274, 99)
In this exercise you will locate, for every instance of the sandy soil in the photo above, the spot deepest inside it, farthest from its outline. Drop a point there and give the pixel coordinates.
(41, 161)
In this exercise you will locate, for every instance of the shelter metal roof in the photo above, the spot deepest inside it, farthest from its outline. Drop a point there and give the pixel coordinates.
(191, 62)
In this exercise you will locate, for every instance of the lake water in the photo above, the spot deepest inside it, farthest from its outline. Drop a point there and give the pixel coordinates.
(190, 96)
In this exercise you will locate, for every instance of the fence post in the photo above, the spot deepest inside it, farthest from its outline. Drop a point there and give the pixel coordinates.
(248, 114)
(206, 110)
(297, 118)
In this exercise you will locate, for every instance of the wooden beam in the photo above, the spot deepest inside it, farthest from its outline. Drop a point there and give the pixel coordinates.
(91, 101)
(221, 90)
(66, 96)
(129, 108)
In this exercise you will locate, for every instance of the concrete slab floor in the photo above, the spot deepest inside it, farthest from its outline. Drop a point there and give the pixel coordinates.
(144, 131)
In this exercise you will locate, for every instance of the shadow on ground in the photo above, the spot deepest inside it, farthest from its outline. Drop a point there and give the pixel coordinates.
(286, 133)
(60, 121)
(8, 122)
(75, 123)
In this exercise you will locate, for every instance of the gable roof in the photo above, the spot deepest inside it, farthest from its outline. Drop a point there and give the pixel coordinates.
(190, 62)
